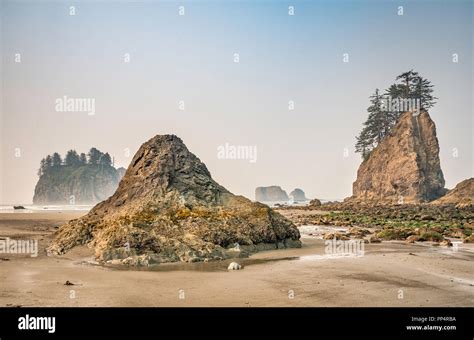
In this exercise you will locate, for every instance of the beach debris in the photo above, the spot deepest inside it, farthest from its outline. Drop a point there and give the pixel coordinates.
(18, 207)
(234, 266)
(68, 283)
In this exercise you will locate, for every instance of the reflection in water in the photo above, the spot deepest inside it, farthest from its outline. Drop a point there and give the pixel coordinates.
(212, 266)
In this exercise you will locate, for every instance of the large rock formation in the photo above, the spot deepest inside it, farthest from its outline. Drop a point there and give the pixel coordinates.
(168, 208)
(404, 167)
(82, 184)
(462, 195)
(270, 194)
(298, 195)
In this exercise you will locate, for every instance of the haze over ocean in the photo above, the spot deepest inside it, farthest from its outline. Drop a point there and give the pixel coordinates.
(190, 58)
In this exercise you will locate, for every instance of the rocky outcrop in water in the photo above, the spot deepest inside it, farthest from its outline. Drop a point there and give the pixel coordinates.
(298, 195)
(270, 194)
(168, 208)
(82, 184)
(404, 167)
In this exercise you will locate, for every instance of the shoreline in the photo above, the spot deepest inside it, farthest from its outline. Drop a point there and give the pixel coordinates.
(426, 276)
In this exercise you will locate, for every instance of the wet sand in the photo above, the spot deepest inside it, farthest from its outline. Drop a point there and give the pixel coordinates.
(389, 274)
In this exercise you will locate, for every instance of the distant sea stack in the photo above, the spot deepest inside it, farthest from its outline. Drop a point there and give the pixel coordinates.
(298, 195)
(168, 208)
(462, 195)
(76, 180)
(404, 167)
(270, 194)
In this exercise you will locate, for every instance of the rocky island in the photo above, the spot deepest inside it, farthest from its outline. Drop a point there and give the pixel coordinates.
(298, 195)
(272, 193)
(78, 179)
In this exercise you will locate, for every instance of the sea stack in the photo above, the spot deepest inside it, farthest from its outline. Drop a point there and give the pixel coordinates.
(272, 193)
(298, 195)
(404, 167)
(168, 208)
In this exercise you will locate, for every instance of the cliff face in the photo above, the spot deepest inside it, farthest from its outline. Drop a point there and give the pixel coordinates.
(462, 195)
(168, 208)
(86, 184)
(405, 166)
(270, 194)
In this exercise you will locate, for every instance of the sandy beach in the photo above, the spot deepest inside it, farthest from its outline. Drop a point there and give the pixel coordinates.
(389, 274)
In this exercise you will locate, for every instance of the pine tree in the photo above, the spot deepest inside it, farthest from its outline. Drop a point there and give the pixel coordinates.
(383, 116)
(376, 127)
(43, 167)
(56, 160)
(106, 159)
(83, 159)
(364, 143)
(72, 158)
(408, 83)
(423, 90)
(48, 161)
(94, 156)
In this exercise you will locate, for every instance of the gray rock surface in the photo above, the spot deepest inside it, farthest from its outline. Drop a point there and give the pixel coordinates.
(168, 208)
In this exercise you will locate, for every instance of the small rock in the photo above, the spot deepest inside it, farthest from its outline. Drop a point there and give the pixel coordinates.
(446, 243)
(68, 283)
(469, 239)
(374, 239)
(315, 203)
(336, 235)
(234, 266)
(412, 238)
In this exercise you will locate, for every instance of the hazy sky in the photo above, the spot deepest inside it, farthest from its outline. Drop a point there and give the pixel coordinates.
(190, 58)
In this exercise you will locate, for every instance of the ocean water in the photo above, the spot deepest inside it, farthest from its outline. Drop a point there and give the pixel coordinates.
(29, 208)
(285, 203)
(292, 204)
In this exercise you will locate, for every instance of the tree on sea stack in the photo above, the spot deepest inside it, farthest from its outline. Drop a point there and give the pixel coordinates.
(409, 92)
(72, 158)
(376, 127)
(56, 160)
(83, 159)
